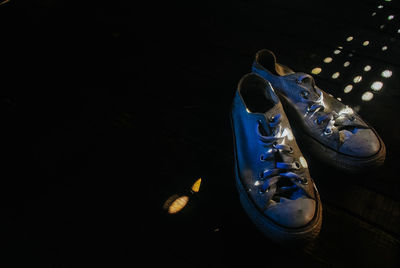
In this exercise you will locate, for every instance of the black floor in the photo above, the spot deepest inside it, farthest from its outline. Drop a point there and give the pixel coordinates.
(110, 111)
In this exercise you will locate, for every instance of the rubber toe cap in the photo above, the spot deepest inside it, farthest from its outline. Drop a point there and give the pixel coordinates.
(292, 213)
(364, 143)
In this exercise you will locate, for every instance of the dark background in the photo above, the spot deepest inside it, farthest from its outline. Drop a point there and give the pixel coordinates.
(110, 108)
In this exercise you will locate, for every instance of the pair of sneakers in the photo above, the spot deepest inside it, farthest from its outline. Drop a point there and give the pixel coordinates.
(272, 176)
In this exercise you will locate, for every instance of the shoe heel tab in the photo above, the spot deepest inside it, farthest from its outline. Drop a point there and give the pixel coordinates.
(266, 59)
(264, 55)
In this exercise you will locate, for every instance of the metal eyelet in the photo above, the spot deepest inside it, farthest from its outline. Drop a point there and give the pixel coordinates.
(304, 94)
(271, 119)
(303, 180)
(296, 165)
(260, 191)
(290, 150)
(262, 159)
(316, 121)
(327, 131)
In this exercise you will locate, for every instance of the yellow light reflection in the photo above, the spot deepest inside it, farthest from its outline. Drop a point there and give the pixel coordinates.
(169, 201)
(366, 43)
(384, 48)
(335, 75)
(357, 79)
(367, 68)
(328, 60)
(377, 85)
(346, 64)
(386, 73)
(337, 51)
(348, 88)
(316, 70)
(367, 96)
(196, 186)
(178, 204)
(348, 39)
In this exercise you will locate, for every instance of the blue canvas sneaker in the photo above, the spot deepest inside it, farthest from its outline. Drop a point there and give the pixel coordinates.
(326, 127)
(272, 176)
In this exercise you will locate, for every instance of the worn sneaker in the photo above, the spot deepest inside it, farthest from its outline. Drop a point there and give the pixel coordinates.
(330, 130)
(272, 176)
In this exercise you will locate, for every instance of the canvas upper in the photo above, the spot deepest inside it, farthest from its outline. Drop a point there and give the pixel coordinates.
(270, 165)
(320, 115)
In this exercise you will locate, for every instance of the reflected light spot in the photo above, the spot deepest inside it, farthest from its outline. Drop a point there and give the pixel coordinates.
(287, 133)
(316, 70)
(178, 204)
(196, 186)
(390, 17)
(169, 201)
(380, 6)
(386, 73)
(346, 64)
(366, 43)
(303, 162)
(398, 31)
(367, 96)
(339, 99)
(337, 51)
(373, 14)
(384, 48)
(367, 68)
(377, 85)
(335, 75)
(346, 110)
(348, 88)
(350, 55)
(348, 39)
(328, 60)
(247, 110)
(382, 26)
(357, 79)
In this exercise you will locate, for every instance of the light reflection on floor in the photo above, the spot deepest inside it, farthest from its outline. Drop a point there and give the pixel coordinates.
(356, 82)
(176, 203)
